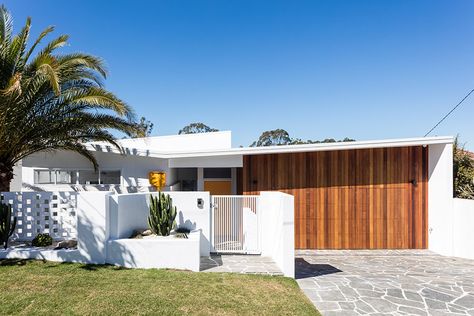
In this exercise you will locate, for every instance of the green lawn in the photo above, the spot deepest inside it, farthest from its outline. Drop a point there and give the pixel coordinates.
(36, 287)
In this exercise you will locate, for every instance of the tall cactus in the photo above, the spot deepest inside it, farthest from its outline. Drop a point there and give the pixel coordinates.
(7, 227)
(162, 218)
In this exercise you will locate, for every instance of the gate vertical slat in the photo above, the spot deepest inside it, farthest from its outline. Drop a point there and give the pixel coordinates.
(235, 224)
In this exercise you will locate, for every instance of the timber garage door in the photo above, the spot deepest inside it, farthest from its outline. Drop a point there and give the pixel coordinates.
(349, 199)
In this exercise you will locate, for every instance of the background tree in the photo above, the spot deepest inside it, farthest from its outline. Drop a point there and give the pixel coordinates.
(463, 172)
(281, 137)
(274, 137)
(50, 101)
(195, 128)
(144, 128)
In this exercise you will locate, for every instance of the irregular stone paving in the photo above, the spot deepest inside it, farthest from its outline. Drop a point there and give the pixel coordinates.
(251, 264)
(373, 282)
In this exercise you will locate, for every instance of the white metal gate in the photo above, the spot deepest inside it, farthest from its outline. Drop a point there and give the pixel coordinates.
(235, 224)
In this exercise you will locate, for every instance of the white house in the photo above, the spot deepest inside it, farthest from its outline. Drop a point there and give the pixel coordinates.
(348, 195)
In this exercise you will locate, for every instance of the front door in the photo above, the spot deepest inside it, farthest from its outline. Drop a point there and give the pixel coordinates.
(218, 187)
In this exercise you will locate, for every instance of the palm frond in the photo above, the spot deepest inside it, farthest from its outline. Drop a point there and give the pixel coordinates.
(43, 34)
(53, 102)
(6, 25)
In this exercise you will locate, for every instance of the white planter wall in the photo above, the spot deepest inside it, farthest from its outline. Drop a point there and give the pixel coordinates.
(130, 211)
(159, 253)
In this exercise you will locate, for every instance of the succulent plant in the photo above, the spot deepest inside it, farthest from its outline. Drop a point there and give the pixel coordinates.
(162, 218)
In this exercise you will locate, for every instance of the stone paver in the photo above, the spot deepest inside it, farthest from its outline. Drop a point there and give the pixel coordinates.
(251, 264)
(386, 282)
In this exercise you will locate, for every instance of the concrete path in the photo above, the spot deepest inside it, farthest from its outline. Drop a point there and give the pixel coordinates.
(386, 282)
(252, 264)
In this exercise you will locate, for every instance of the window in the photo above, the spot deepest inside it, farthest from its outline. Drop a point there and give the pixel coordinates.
(66, 177)
(217, 173)
(88, 177)
(110, 177)
(43, 176)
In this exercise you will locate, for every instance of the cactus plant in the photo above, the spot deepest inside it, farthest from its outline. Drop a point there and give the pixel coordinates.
(162, 218)
(7, 226)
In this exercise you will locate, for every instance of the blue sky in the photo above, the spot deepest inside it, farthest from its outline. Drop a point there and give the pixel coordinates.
(319, 69)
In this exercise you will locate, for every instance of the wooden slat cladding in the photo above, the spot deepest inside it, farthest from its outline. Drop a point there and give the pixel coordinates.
(349, 199)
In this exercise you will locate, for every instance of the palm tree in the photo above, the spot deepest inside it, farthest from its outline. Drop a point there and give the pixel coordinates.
(51, 101)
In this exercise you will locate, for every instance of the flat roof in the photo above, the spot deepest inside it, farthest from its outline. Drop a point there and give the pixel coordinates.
(403, 142)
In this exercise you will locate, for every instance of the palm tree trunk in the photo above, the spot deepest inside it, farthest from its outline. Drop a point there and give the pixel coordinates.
(6, 176)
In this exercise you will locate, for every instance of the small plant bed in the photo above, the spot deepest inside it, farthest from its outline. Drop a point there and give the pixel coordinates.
(55, 245)
(37, 287)
(161, 220)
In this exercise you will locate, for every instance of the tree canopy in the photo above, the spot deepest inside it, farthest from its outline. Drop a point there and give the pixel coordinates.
(463, 172)
(144, 128)
(195, 128)
(51, 101)
(280, 136)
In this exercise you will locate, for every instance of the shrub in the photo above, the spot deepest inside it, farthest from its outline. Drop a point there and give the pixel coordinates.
(162, 218)
(182, 232)
(463, 172)
(42, 240)
(7, 226)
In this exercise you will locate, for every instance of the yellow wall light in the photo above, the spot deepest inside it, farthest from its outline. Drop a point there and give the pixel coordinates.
(157, 179)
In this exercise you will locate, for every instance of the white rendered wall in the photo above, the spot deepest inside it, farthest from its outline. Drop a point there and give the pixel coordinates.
(15, 184)
(134, 169)
(463, 230)
(207, 162)
(159, 253)
(92, 230)
(440, 198)
(130, 211)
(92, 235)
(277, 229)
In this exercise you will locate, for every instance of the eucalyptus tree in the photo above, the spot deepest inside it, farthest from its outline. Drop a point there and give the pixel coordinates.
(51, 101)
(195, 128)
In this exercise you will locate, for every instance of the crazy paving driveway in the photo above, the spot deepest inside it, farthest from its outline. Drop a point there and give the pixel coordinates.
(383, 282)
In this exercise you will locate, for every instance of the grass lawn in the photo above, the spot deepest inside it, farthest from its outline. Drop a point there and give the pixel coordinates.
(36, 287)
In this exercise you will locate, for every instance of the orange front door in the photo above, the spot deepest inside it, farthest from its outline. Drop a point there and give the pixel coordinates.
(220, 187)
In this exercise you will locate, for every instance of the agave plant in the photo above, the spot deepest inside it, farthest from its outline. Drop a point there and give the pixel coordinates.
(51, 101)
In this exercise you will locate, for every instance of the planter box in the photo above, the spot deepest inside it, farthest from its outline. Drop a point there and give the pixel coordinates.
(161, 253)
(60, 255)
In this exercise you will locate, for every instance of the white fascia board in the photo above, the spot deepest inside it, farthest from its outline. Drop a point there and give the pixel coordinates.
(322, 147)
(234, 161)
(421, 141)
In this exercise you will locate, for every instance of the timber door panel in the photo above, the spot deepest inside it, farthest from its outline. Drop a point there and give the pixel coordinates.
(349, 199)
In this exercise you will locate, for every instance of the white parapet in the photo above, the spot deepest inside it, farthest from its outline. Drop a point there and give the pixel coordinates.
(277, 232)
(160, 252)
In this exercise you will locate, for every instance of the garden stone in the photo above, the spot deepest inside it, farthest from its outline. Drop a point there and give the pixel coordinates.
(66, 244)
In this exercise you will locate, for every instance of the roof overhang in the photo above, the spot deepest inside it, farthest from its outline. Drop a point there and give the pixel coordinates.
(421, 141)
